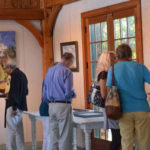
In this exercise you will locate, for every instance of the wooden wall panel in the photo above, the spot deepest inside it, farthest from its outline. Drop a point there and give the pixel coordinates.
(1, 3)
(41, 3)
(25, 3)
(30, 3)
(11, 3)
(35, 3)
(20, 3)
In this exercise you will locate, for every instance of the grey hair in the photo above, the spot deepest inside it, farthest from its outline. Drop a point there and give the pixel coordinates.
(13, 64)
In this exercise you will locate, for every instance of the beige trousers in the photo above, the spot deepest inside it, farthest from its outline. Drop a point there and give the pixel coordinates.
(135, 126)
(46, 133)
(60, 126)
(14, 131)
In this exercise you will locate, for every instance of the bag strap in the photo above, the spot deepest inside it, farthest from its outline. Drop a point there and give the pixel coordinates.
(96, 78)
(113, 82)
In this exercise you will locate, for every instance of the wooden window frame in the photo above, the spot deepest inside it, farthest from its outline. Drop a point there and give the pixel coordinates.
(134, 6)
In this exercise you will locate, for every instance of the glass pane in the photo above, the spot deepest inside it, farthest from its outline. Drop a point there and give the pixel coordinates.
(98, 50)
(93, 55)
(117, 29)
(102, 134)
(131, 26)
(92, 33)
(124, 41)
(132, 44)
(104, 31)
(95, 107)
(104, 46)
(97, 32)
(93, 69)
(117, 43)
(96, 133)
(123, 27)
(108, 135)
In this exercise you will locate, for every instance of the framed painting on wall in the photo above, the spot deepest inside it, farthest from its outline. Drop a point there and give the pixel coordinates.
(7, 53)
(71, 47)
(7, 47)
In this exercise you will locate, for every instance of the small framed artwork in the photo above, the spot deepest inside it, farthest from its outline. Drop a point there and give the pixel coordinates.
(71, 47)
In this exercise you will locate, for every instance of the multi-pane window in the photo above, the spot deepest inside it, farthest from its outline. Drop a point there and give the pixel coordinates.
(124, 32)
(98, 44)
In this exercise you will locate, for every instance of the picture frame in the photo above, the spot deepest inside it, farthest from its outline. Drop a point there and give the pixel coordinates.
(71, 47)
(7, 53)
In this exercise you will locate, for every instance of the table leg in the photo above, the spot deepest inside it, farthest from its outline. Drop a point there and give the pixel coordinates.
(87, 133)
(74, 139)
(33, 124)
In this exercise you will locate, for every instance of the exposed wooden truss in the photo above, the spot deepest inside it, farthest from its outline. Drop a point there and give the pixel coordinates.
(37, 34)
(20, 4)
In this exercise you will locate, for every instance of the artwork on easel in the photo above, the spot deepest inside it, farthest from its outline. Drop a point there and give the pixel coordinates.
(7, 52)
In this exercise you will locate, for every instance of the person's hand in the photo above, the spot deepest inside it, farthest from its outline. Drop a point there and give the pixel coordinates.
(14, 112)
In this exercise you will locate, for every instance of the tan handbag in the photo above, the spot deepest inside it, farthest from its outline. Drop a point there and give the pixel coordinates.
(113, 105)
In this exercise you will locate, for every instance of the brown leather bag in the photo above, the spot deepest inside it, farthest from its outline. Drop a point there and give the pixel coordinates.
(113, 105)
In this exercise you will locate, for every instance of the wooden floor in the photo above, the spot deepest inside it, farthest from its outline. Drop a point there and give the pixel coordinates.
(28, 146)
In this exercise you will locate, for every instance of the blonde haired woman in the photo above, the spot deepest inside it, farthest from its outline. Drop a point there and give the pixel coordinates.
(106, 60)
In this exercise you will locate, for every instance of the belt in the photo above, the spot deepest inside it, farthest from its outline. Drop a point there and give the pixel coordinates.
(66, 102)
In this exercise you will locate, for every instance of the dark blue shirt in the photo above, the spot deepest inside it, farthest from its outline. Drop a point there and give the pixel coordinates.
(58, 84)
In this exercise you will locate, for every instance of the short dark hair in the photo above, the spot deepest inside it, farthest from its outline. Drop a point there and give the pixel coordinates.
(67, 56)
(124, 51)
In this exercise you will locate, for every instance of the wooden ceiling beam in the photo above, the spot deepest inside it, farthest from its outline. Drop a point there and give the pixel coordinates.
(51, 3)
(37, 34)
(21, 14)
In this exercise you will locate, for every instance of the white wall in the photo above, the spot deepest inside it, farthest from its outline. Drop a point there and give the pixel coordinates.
(68, 28)
(146, 34)
(29, 60)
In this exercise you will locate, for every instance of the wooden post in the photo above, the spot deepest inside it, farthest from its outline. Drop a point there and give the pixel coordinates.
(48, 43)
(50, 15)
(47, 27)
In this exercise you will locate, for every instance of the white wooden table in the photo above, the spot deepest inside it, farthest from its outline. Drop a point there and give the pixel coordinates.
(86, 124)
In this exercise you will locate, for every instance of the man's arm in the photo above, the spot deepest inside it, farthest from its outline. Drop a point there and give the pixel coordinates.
(45, 87)
(14, 91)
(146, 74)
(44, 96)
(69, 92)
